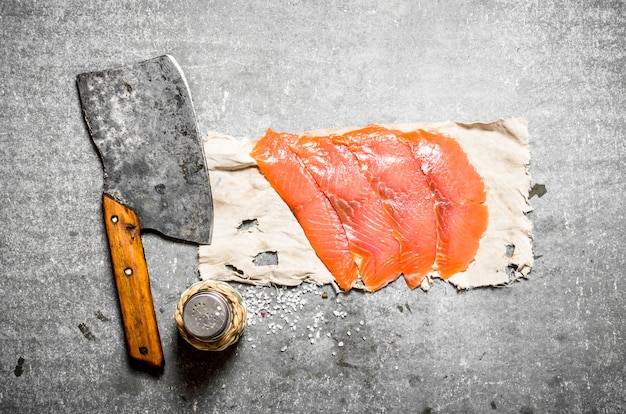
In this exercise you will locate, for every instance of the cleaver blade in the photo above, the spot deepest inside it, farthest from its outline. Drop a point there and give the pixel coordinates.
(141, 119)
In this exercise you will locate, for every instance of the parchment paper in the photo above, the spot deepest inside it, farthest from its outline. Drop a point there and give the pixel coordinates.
(250, 217)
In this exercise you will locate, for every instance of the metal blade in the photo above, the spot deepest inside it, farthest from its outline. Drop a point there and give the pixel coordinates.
(142, 121)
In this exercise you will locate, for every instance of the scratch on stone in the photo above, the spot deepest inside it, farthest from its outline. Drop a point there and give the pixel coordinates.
(86, 332)
(224, 99)
(101, 316)
(19, 368)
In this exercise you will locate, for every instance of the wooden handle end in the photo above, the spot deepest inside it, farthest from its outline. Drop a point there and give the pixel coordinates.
(133, 284)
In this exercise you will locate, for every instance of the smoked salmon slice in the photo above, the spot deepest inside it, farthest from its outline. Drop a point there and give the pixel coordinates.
(459, 228)
(368, 228)
(447, 167)
(319, 220)
(397, 178)
(460, 193)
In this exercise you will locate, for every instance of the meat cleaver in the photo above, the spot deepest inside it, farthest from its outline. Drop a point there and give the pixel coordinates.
(142, 121)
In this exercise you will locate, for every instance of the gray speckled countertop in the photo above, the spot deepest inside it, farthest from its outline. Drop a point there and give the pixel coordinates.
(554, 343)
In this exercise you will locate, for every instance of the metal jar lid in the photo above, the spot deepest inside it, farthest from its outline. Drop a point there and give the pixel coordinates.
(207, 315)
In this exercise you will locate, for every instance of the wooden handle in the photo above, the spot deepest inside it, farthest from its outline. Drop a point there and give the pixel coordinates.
(133, 284)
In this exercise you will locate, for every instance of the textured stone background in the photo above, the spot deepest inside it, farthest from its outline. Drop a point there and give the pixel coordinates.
(554, 343)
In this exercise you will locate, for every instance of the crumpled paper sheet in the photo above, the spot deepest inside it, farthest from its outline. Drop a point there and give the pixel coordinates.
(251, 218)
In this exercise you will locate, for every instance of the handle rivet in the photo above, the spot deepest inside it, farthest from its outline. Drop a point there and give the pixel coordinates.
(128, 271)
(114, 219)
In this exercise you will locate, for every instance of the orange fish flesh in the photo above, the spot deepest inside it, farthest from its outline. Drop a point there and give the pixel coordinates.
(319, 220)
(399, 182)
(370, 233)
(376, 202)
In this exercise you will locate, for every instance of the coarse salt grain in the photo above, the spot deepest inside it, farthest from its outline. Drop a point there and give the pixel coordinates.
(267, 305)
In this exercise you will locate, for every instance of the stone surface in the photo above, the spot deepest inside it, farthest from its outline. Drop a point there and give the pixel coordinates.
(554, 343)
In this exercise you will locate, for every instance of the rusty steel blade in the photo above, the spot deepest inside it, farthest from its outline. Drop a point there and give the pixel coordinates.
(142, 121)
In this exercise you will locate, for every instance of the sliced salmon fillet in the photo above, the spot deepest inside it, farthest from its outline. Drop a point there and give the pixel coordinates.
(369, 230)
(460, 193)
(376, 202)
(319, 220)
(459, 227)
(397, 178)
(447, 167)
